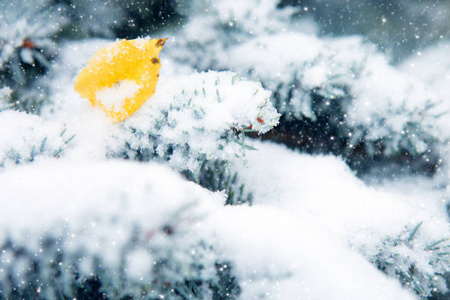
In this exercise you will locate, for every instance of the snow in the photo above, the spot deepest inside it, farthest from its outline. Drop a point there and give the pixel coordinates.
(279, 256)
(141, 42)
(432, 66)
(108, 53)
(262, 54)
(274, 250)
(26, 137)
(94, 208)
(393, 90)
(331, 202)
(113, 98)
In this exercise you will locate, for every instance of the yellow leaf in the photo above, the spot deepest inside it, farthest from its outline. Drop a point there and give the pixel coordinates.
(121, 77)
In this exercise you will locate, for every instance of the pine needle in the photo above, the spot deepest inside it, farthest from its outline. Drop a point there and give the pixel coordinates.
(413, 233)
(432, 246)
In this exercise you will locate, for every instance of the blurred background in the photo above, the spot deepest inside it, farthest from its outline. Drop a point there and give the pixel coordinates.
(398, 27)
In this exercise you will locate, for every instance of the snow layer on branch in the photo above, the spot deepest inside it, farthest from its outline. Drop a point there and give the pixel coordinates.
(123, 215)
(294, 64)
(277, 255)
(216, 26)
(338, 69)
(141, 225)
(395, 108)
(250, 17)
(197, 117)
(25, 137)
(433, 67)
(324, 193)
